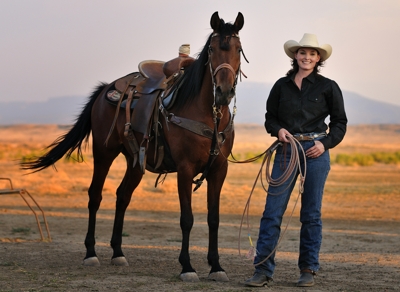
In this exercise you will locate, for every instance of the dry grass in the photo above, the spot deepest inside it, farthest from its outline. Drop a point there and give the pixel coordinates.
(371, 192)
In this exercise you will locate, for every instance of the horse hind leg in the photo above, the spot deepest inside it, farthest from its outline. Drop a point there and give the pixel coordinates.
(102, 163)
(131, 180)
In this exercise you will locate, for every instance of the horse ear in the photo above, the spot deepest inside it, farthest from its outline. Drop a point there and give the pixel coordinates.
(215, 21)
(239, 22)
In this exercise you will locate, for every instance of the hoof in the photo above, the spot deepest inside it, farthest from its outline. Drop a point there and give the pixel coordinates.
(218, 276)
(119, 261)
(91, 262)
(189, 277)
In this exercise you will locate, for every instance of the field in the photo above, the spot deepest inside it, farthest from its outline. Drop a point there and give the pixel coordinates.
(361, 214)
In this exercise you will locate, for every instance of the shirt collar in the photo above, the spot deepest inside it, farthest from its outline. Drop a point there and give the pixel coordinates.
(311, 77)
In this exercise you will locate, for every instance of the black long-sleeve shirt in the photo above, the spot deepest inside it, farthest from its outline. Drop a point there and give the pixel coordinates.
(305, 110)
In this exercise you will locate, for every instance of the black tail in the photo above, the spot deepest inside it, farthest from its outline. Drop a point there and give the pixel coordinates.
(69, 142)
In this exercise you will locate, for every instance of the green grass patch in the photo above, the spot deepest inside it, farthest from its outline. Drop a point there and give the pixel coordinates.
(32, 155)
(21, 230)
(360, 159)
(35, 154)
(75, 158)
(367, 159)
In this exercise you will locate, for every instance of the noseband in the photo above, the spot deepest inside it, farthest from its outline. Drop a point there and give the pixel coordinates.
(222, 66)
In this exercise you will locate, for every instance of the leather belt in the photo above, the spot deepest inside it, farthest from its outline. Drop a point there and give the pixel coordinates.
(308, 136)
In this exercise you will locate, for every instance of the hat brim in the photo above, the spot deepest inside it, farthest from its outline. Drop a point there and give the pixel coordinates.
(292, 46)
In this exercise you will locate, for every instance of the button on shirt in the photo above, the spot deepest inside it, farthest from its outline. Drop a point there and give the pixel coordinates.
(305, 110)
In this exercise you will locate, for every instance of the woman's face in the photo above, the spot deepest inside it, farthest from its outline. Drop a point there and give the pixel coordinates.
(307, 58)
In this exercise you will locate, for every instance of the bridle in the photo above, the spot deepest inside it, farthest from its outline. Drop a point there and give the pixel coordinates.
(217, 113)
(225, 66)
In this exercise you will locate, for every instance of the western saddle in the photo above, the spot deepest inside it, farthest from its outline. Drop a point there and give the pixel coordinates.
(141, 94)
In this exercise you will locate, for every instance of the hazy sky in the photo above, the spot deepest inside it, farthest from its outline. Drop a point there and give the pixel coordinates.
(52, 48)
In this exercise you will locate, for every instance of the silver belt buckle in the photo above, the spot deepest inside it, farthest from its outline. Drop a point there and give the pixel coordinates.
(317, 135)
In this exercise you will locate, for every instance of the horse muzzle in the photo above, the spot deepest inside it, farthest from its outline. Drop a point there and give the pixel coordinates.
(224, 94)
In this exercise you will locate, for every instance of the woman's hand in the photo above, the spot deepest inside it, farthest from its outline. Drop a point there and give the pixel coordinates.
(316, 150)
(282, 135)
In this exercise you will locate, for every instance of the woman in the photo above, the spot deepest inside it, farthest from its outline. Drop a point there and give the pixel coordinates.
(297, 106)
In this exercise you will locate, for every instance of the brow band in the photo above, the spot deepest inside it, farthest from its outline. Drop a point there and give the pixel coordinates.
(217, 34)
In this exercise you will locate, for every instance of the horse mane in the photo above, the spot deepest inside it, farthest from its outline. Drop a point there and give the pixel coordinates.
(190, 84)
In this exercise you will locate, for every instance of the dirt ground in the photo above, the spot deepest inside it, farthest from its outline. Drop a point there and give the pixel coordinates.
(361, 235)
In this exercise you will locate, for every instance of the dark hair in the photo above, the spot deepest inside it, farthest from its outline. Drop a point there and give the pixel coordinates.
(295, 66)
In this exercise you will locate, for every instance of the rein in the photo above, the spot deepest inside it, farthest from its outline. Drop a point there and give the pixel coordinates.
(292, 167)
(213, 151)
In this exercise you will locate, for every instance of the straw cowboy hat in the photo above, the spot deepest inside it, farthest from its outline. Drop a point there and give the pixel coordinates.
(308, 41)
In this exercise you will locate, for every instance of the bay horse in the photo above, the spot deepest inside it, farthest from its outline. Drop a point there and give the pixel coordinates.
(206, 89)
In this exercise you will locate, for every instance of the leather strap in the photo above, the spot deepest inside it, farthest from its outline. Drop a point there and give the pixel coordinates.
(128, 133)
(199, 128)
(128, 109)
(117, 110)
(308, 136)
(213, 155)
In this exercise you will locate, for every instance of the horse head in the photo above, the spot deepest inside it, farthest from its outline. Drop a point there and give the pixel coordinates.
(224, 57)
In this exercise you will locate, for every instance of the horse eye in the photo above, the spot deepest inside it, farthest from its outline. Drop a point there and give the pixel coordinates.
(210, 49)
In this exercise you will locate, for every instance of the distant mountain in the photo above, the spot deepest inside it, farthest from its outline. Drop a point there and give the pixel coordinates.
(251, 98)
(59, 110)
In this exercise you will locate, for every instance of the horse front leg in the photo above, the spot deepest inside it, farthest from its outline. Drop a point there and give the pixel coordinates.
(131, 180)
(188, 274)
(215, 181)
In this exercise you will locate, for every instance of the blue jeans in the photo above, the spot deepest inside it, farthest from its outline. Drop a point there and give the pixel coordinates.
(310, 213)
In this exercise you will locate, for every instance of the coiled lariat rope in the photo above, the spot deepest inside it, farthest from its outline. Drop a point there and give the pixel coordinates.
(292, 167)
